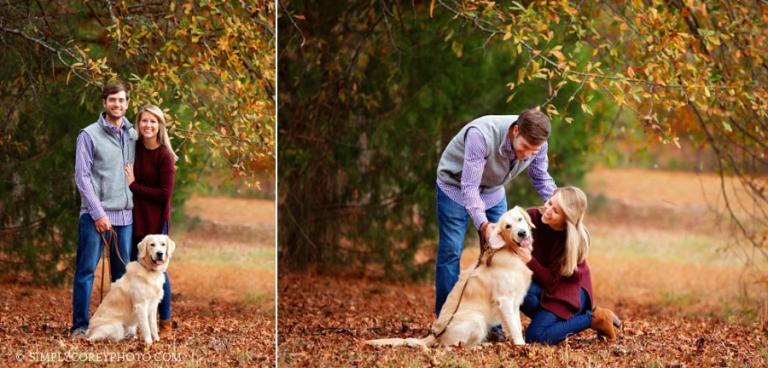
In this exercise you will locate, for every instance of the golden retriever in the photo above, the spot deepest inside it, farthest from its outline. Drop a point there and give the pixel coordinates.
(486, 295)
(132, 300)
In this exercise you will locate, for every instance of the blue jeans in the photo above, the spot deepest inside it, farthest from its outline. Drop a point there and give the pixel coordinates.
(165, 304)
(452, 225)
(548, 328)
(89, 247)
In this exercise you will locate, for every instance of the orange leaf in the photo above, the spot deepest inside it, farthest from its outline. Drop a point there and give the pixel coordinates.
(431, 8)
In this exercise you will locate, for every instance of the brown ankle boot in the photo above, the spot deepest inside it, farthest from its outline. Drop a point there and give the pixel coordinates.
(166, 329)
(605, 323)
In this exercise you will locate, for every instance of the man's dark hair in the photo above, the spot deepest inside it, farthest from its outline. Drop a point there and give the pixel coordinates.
(112, 88)
(534, 125)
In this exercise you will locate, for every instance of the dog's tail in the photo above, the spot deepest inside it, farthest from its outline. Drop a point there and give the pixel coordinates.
(424, 343)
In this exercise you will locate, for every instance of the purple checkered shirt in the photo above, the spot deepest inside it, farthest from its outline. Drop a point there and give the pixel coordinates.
(469, 196)
(83, 165)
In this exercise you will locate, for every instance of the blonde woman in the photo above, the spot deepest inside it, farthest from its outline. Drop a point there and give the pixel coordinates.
(559, 301)
(150, 179)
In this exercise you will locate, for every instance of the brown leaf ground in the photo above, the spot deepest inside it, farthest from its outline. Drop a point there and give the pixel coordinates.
(223, 301)
(658, 258)
(324, 321)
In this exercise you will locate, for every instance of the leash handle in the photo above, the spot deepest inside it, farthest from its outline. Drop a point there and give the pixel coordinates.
(116, 241)
(105, 254)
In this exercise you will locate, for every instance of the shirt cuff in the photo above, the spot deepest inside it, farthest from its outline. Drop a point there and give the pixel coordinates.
(478, 217)
(97, 213)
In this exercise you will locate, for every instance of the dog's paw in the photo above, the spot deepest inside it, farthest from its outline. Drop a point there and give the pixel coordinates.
(519, 342)
(156, 338)
(147, 339)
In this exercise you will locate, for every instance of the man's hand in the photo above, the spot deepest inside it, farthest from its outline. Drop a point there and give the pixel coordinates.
(129, 173)
(486, 230)
(102, 224)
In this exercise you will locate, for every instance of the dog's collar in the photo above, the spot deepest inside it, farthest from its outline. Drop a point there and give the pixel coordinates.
(492, 252)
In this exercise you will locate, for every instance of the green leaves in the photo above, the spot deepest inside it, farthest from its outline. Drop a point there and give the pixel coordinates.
(727, 127)
(359, 176)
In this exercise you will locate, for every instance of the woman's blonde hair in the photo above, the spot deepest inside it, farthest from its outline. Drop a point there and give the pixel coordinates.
(162, 131)
(573, 202)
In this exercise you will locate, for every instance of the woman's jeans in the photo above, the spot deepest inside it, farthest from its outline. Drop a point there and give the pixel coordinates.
(165, 304)
(546, 327)
(452, 224)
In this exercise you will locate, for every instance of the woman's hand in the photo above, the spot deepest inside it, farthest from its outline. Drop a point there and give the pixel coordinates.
(129, 173)
(524, 254)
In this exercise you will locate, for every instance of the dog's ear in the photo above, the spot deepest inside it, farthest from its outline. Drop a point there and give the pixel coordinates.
(527, 218)
(142, 246)
(499, 227)
(499, 237)
(171, 246)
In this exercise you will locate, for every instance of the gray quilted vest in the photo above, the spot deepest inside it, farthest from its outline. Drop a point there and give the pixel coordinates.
(109, 159)
(498, 168)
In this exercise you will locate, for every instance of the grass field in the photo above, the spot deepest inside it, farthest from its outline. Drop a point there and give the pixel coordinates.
(233, 247)
(680, 252)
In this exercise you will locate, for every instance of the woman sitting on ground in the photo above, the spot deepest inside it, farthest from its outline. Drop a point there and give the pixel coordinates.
(559, 300)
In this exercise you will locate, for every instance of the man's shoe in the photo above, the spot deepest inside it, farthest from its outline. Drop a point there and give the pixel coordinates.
(605, 323)
(496, 334)
(166, 329)
(78, 333)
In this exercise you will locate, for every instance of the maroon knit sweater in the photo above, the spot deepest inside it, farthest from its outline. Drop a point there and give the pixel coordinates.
(154, 171)
(560, 295)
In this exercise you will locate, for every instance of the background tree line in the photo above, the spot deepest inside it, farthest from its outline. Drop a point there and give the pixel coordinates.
(370, 93)
(209, 65)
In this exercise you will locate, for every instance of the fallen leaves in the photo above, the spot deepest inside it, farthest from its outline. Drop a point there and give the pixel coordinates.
(323, 322)
(34, 325)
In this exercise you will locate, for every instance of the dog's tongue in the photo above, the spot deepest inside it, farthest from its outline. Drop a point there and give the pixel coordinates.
(526, 243)
(159, 262)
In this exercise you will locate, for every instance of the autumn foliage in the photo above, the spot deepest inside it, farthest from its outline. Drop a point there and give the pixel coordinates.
(209, 65)
(683, 68)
